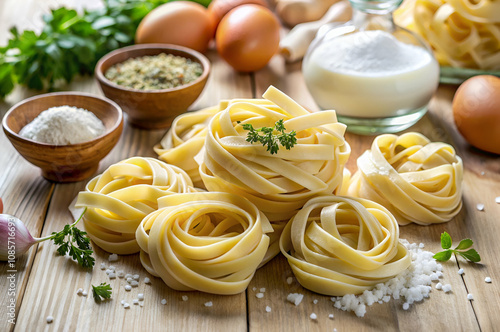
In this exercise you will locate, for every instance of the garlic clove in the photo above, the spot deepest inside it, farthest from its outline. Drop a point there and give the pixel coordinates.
(15, 239)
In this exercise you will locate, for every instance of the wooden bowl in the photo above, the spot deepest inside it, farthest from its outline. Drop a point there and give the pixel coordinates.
(64, 163)
(152, 109)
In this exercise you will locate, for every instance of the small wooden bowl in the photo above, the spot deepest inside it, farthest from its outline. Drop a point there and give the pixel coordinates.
(64, 163)
(152, 109)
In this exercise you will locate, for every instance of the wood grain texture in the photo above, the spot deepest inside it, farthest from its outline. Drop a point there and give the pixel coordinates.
(47, 284)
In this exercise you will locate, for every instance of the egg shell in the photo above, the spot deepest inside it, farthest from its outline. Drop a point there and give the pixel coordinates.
(476, 111)
(219, 8)
(248, 37)
(181, 23)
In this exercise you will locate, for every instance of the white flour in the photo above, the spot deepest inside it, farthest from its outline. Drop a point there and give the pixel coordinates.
(63, 125)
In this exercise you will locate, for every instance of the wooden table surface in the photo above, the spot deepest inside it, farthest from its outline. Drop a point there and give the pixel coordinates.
(46, 285)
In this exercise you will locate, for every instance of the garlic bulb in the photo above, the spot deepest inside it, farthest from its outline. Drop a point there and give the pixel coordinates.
(15, 239)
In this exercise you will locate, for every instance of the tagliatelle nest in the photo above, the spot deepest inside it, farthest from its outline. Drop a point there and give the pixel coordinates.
(119, 198)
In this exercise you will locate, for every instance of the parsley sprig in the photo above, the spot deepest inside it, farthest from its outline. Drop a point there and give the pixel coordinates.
(446, 243)
(101, 292)
(74, 242)
(271, 137)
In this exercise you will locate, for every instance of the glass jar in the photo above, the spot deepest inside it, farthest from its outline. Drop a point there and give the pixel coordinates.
(378, 76)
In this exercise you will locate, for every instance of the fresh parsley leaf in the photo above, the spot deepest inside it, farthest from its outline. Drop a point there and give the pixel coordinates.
(446, 242)
(271, 137)
(101, 292)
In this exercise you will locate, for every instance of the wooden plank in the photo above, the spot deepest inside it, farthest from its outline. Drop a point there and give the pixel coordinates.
(54, 280)
(441, 311)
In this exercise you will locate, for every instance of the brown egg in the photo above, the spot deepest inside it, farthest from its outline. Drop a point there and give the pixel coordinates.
(219, 8)
(181, 23)
(247, 37)
(476, 110)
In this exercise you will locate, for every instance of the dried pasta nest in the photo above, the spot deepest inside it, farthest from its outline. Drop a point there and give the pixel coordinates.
(119, 198)
(207, 241)
(338, 245)
(417, 180)
(278, 184)
(185, 139)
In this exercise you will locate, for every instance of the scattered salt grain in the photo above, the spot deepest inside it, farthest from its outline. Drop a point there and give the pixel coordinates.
(262, 290)
(103, 266)
(434, 277)
(112, 268)
(140, 296)
(406, 306)
(480, 207)
(163, 301)
(447, 288)
(334, 330)
(129, 280)
(313, 316)
(268, 308)
(126, 305)
(141, 304)
(122, 302)
(386, 298)
(84, 293)
(461, 271)
(439, 286)
(470, 297)
(184, 297)
(120, 273)
(134, 283)
(254, 289)
(421, 246)
(208, 304)
(259, 295)
(497, 200)
(289, 280)
(315, 301)
(112, 275)
(50, 319)
(487, 279)
(135, 301)
(412, 285)
(331, 316)
(295, 298)
(136, 277)
(147, 280)
(113, 258)
(128, 287)
(79, 291)
(128, 275)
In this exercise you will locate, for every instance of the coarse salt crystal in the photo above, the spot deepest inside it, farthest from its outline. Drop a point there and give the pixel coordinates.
(480, 207)
(103, 266)
(331, 316)
(112, 275)
(295, 298)
(163, 301)
(147, 280)
(140, 296)
(461, 271)
(447, 288)
(134, 283)
(208, 304)
(135, 301)
(406, 306)
(421, 245)
(259, 295)
(126, 305)
(313, 316)
(487, 279)
(141, 304)
(470, 297)
(128, 287)
(439, 285)
(120, 273)
(113, 258)
(129, 280)
(84, 293)
(50, 319)
(497, 200)
(268, 309)
(254, 288)
(315, 301)
(184, 297)
(128, 275)
(136, 277)
(79, 291)
(122, 302)
(262, 290)
(289, 280)
(112, 268)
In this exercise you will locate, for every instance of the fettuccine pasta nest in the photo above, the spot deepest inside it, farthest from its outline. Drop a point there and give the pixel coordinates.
(278, 184)
(119, 198)
(463, 33)
(417, 180)
(207, 241)
(338, 245)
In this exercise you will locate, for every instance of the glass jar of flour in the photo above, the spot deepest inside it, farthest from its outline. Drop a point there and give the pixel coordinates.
(377, 76)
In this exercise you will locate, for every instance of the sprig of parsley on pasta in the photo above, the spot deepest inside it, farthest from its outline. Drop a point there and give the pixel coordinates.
(271, 137)
(446, 242)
